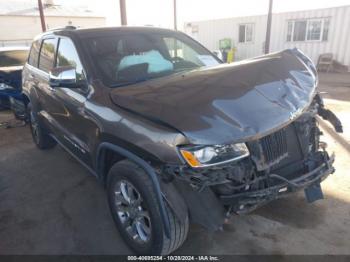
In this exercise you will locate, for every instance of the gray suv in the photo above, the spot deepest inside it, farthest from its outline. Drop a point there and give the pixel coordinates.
(173, 134)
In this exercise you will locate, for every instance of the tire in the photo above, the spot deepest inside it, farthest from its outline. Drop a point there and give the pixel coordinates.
(40, 137)
(18, 108)
(155, 243)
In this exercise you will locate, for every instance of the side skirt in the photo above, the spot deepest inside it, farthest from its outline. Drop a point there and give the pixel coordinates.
(75, 157)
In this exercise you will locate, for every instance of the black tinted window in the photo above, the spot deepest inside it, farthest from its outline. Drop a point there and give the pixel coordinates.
(13, 58)
(47, 55)
(67, 55)
(34, 54)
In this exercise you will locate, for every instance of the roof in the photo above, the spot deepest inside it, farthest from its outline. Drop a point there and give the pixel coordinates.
(71, 31)
(123, 29)
(88, 32)
(30, 8)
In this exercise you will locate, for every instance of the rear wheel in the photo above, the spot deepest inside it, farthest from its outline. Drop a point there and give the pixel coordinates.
(40, 137)
(136, 212)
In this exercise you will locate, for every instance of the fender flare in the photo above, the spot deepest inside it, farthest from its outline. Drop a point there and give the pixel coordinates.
(32, 97)
(149, 171)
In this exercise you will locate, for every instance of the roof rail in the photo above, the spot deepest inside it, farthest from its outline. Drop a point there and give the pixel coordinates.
(68, 27)
(71, 27)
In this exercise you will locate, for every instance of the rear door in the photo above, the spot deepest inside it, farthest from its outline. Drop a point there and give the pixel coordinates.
(30, 82)
(46, 61)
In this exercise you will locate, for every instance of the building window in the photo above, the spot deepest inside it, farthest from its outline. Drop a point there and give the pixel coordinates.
(314, 29)
(245, 33)
(325, 30)
(308, 30)
(299, 30)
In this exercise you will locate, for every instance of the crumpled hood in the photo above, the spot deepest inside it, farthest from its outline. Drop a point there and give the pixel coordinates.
(227, 103)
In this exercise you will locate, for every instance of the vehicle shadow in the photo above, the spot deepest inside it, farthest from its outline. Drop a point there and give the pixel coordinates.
(283, 227)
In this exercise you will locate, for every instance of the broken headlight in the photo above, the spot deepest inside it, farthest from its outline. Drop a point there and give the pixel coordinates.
(202, 156)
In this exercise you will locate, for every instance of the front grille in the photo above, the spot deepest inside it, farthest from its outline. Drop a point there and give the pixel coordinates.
(274, 146)
(270, 150)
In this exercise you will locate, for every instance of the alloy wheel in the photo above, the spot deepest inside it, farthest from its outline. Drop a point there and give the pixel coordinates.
(132, 213)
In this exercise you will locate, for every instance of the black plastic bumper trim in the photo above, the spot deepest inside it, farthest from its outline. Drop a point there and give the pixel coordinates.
(273, 192)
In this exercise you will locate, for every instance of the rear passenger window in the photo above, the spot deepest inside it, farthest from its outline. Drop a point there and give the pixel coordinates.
(47, 54)
(34, 54)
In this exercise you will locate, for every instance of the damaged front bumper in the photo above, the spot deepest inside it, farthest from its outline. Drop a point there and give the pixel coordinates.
(210, 202)
(285, 161)
(244, 202)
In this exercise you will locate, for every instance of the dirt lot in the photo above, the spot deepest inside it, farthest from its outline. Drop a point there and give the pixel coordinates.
(51, 205)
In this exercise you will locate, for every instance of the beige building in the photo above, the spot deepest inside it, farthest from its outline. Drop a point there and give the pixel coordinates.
(20, 20)
(315, 32)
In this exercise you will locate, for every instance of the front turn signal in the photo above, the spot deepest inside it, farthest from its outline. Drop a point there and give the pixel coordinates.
(190, 158)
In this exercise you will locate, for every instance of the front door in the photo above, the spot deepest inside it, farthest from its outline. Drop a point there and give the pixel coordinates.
(74, 125)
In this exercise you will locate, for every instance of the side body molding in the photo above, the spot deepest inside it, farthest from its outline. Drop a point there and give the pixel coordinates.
(149, 171)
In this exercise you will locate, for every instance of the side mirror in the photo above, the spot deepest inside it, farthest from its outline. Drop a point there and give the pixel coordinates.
(64, 76)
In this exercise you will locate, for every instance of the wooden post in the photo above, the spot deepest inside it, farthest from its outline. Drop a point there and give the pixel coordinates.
(42, 17)
(175, 16)
(268, 29)
(123, 18)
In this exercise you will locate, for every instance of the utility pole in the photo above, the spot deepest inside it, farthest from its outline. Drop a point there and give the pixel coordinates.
(42, 17)
(268, 29)
(122, 6)
(175, 16)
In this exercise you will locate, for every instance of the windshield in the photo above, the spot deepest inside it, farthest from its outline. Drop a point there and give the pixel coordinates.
(13, 58)
(127, 58)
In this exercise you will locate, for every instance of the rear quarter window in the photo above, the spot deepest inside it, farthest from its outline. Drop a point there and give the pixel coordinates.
(34, 54)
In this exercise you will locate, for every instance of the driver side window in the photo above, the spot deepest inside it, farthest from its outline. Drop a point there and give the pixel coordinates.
(67, 55)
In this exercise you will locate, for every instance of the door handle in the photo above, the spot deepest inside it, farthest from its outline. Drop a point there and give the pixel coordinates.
(33, 79)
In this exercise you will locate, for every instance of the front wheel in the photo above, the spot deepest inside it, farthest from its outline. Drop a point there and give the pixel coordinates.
(40, 137)
(136, 212)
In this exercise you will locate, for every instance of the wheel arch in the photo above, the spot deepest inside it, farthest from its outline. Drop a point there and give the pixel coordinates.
(31, 96)
(26, 99)
(122, 153)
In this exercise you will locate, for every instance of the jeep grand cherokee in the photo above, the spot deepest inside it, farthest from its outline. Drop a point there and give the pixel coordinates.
(175, 135)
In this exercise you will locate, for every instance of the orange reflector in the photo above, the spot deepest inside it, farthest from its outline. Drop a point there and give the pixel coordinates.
(190, 158)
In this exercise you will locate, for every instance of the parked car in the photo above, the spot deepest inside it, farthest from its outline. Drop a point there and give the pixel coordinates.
(173, 134)
(12, 60)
